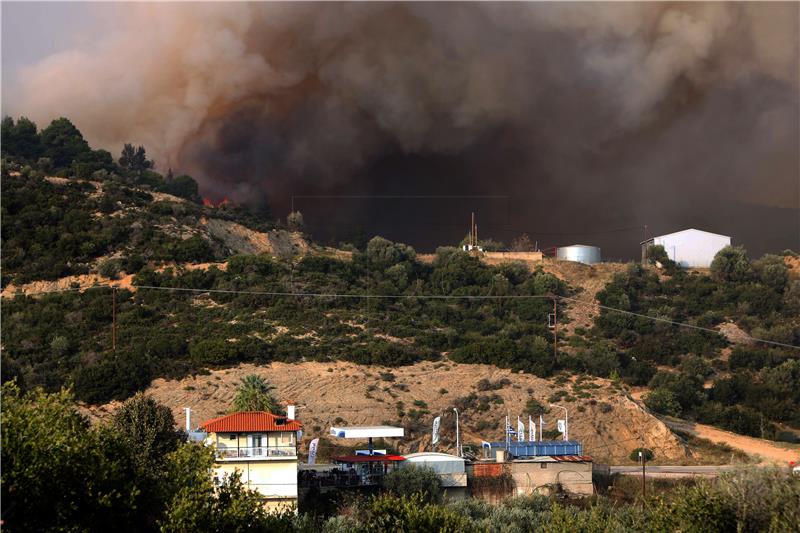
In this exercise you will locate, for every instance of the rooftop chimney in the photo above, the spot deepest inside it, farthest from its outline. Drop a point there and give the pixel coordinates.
(290, 412)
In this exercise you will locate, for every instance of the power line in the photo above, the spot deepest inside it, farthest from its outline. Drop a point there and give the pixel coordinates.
(396, 197)
(505, 227)
(673, 322)
(405, 196)
(369, 296)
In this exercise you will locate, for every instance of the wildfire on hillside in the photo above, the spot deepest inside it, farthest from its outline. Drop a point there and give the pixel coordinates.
(208, 202)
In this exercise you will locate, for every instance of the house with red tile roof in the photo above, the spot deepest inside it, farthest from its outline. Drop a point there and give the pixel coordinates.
(262, 447)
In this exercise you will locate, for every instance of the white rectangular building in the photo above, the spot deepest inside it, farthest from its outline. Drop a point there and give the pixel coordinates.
(690, 248)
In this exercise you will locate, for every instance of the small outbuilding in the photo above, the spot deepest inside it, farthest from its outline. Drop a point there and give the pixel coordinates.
(571, 473)
(690, 248)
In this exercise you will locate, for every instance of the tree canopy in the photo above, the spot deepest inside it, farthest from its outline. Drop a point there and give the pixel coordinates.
(63, 143)
(254, 394)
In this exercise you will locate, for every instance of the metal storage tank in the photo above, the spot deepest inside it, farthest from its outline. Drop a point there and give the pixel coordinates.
(580, 253)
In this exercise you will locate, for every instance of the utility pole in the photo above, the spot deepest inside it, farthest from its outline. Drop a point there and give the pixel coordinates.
(555, 328)
(114, 319)
(458, 436)
(643, 457)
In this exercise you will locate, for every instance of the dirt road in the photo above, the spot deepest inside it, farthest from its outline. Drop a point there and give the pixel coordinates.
(769, 451)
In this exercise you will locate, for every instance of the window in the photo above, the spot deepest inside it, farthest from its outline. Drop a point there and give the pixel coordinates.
(543, 465)
(232, 436)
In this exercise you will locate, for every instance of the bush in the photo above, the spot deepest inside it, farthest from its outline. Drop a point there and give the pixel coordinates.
(414, 480)
(731, 265)
(110, 268)
(486, 384)
(213, 351)
(534, 407)
(662, 400)
(294, 221)
(182, 186)
(115, 378)
(646, 452)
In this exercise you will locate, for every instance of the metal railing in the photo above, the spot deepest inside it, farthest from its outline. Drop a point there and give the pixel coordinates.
(256, 452)
(338, 478)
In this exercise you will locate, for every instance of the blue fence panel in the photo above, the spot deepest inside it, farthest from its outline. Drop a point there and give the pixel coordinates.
(539, 448)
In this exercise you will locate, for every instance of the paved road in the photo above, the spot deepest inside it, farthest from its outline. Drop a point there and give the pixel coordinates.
(673, 471)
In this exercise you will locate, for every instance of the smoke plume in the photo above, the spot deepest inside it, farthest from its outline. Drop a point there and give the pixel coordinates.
(594, 115)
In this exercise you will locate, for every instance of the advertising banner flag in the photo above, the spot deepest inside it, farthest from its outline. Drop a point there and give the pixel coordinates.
(312, 451)
(520, 430)
(541, 426)
(562, 426)
(435, 435)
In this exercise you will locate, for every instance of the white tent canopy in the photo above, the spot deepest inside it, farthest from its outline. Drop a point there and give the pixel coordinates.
(367, 432)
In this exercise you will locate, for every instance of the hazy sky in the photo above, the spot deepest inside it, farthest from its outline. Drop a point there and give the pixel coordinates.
(586, 117)
(34, 30)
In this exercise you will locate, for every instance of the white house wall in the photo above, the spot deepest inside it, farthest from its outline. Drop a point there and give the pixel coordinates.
(272, 479)
(692, 248)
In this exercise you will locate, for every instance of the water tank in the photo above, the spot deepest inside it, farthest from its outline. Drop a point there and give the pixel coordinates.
(579, 253)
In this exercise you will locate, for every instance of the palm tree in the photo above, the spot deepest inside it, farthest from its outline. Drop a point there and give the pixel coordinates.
(254, 394)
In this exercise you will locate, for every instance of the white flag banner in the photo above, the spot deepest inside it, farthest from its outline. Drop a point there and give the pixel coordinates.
(520, 430)
(531, 430)
(312, 451)
(562, 426)
(541, 427)
(435, 434)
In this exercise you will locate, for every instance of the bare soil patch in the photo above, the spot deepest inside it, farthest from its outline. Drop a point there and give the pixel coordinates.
(610, 425)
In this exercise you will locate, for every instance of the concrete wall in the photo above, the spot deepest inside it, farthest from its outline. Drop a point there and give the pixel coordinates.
(692, 248)
(513, 256)
(534, 476)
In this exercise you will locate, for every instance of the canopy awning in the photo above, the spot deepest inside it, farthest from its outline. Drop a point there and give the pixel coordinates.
(366, 432)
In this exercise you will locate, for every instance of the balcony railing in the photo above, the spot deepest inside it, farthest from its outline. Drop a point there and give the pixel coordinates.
(257, 452)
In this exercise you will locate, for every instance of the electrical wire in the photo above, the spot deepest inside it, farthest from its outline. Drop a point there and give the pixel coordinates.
(421, 297)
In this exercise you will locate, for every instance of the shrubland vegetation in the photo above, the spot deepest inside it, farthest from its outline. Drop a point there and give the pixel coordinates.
(171, 333)
(51, 230)
(756, 385)
(747, 501)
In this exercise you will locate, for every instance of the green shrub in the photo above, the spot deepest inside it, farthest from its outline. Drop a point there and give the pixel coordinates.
(534, 407)
(647, 453)
(410, 480)
(662, 400)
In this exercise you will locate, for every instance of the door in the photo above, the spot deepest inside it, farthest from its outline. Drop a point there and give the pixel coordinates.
(257, 445)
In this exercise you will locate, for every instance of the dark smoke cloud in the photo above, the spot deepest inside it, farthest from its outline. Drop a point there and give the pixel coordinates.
(589, 116)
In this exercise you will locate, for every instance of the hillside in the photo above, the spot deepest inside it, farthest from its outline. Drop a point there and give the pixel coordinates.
(608, 423)
(212, 287)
